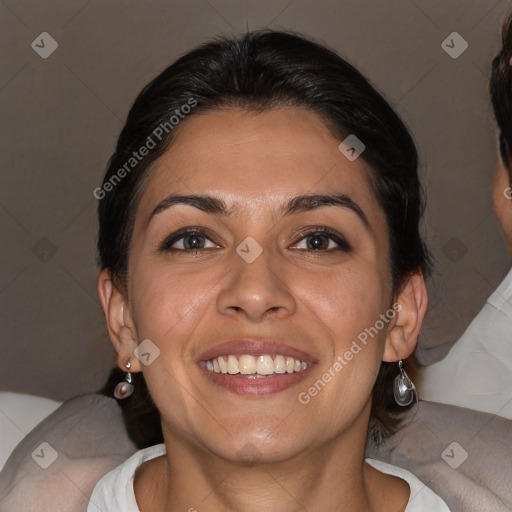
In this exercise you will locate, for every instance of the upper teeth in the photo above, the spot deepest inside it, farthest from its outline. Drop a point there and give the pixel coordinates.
(261, 365)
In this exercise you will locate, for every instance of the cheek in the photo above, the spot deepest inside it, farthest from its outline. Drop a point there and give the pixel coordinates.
(169, 304)
(351, 306)
(167, 308)
(347, 310)
(346, 304)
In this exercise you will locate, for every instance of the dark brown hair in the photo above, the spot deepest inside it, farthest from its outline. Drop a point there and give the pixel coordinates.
(256, 72)
(500, 87)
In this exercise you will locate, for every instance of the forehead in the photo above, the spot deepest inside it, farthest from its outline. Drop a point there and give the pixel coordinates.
(255, 159)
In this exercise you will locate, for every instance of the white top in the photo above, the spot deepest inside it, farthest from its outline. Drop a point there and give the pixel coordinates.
(477, 372)
(114, 492)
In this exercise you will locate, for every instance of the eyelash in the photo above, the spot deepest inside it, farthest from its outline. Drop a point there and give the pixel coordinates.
(167, 243)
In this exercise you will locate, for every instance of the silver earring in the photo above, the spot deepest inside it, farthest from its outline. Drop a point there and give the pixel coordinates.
(403, 387)
(125, 388)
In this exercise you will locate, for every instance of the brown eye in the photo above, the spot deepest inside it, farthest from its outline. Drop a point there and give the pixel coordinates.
(187, 240)
(193, 241)
(323, 240)
(320, 242)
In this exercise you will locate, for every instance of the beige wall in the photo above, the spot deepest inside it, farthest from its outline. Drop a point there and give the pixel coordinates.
(61, 116)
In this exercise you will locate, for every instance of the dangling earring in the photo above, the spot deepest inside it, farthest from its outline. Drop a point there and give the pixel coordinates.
(403, 387)
(125, 388)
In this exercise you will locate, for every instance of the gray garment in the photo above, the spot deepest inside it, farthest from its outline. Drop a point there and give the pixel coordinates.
(464, 456)
(89, 438)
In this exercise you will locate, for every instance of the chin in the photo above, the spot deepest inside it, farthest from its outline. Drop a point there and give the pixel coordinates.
(254, 449)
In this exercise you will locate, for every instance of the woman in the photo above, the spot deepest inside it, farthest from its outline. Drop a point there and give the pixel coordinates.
(262, 266)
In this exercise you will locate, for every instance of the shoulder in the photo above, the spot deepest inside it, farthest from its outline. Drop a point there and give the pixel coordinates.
(115, 490)
(500, 298)
(421, 497)
(460, 453)
(86, 438)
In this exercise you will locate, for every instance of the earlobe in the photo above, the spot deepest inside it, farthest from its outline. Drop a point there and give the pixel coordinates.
(403, 335)
(119, 322)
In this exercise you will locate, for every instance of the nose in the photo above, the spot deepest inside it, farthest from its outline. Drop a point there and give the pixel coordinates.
(257, 290)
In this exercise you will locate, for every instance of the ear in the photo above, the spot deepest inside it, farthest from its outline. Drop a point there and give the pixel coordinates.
(412, 304)
(502, 201)
(121, 328)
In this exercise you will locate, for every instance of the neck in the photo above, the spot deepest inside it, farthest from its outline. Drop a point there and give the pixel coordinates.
(332, 476)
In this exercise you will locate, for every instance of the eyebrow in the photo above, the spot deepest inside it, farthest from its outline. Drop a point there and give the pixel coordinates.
(298, 204)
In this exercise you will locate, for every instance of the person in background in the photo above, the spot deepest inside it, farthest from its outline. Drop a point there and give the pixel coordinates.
(477, 372)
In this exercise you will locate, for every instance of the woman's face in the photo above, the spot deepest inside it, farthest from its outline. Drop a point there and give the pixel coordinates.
(269, 275)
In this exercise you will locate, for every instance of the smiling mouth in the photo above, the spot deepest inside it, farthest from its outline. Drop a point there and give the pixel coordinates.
(255, 367)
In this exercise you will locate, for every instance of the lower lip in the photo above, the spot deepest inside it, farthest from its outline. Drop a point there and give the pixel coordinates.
(241, 385)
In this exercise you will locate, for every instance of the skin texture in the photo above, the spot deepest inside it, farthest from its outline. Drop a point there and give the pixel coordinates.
(315, 301)
(502, 202)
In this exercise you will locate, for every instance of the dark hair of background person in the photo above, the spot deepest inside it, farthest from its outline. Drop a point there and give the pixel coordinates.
(500, 87)
(257, 72)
